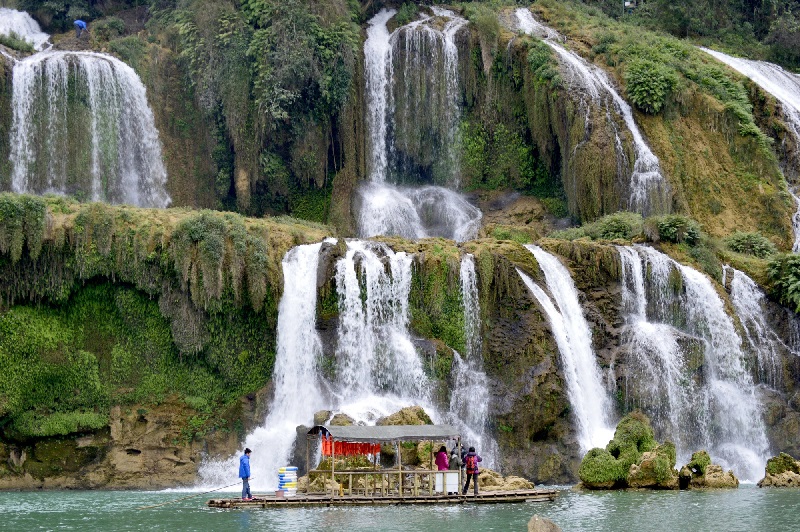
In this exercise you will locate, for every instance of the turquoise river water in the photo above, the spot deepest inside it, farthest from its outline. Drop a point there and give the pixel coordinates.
(748, 508)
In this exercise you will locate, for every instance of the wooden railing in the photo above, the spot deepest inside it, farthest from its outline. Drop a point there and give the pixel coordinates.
(386, 482)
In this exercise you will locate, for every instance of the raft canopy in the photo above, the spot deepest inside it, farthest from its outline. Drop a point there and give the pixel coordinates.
(386, 433)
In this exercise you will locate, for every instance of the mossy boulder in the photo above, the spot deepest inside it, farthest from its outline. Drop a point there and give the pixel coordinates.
(489, 480)
(782, 471)
(632, 459)
(412, 415)
(701, 473)
(342, 420)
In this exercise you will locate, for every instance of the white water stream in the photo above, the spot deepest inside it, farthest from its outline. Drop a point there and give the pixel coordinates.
(785, 87)
(419, 63)
(587, 395)
(686, 365)
(469, 396)
(649, 190)
(109, 120)
(22, 25)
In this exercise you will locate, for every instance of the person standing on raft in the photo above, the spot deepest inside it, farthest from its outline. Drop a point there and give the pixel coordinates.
(442, 463)
(471, 460)
(244, 474)
(80, 26)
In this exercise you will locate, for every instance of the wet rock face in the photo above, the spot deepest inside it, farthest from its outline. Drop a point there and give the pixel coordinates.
(540, 524)
(782, 471)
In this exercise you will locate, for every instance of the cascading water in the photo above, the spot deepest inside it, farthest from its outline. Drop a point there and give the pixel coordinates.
(81, 125)
(299, 349)
(377, 368)
(23, 26)
(412, 93)
(375, 353)
(585, 389)
(686, 368)
(469, 398)
(785, 87)
(750, 303)
(649, 190)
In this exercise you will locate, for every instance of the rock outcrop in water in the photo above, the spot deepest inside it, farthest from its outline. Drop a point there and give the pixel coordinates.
(782, 471)
(701, 473)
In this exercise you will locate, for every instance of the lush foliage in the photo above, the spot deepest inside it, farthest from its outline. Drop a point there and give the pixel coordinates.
(751, 244)
(676, 228)
(620, 225)
(782, 463)
(784, 276)
(699, 462)
(649, 83)
(15, 42)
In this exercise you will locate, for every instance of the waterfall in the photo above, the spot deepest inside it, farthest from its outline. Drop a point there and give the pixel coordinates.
(750, 304)
(649, 190)
(412, 119)
(23, 26)
(296, 376)
(81, 125)
(469, 397)
(785, 87)
(375, 353)
(686, 367)
(587, 396)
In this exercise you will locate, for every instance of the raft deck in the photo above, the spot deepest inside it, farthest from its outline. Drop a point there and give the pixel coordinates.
(319, 499)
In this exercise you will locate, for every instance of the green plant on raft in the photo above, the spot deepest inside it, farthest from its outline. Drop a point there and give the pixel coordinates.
(751, 244)
(648, 84)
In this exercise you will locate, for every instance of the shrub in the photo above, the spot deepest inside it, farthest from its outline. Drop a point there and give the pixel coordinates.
(15, 42)
(784, 275)
(782, 463)
(620, 225)
(107, 29)
(649, 83)
(675, 228)
(406, 13)
(751, 244)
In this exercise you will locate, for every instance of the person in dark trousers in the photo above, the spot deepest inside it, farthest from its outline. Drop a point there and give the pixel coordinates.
(455, 464)
(244, 474)
(80, 26)
(471, 460)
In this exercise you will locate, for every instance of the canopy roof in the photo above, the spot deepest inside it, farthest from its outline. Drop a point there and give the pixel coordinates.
(387, 433)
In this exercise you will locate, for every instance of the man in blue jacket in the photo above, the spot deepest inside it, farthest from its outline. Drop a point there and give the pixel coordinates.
(79, 27)
(244, 474)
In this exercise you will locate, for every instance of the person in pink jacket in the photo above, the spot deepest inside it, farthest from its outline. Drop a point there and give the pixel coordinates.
(442, 462)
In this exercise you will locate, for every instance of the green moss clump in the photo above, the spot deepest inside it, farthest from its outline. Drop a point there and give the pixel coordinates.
(781, 463)
(699, 462)
(600, 467)
(676, 228)
(617, 226)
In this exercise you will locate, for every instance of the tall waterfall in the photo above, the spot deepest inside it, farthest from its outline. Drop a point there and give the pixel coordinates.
(785, 87)
(686, 367)
(412, 101)
(296, 375)
(376, 359)
(23, 26)
(81, 125)
(762, 340)
(649, 190)
(377, 369)
(585, 389)
(469, 398)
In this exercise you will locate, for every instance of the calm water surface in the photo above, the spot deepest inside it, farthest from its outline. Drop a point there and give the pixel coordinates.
(748, 508)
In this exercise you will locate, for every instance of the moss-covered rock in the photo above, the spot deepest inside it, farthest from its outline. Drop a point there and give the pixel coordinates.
(701, 473)
(412, 415)
(782, 471)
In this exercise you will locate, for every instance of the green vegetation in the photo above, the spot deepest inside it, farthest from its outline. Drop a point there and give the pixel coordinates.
(649, 83)
(751, 244)
(117, 305)
(782, 463)
(699, 462)
(784, 276)
(15, 42)
(620, 225)
(675, 228)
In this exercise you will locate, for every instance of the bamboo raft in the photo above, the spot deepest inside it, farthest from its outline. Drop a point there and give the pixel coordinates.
(489, 497)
